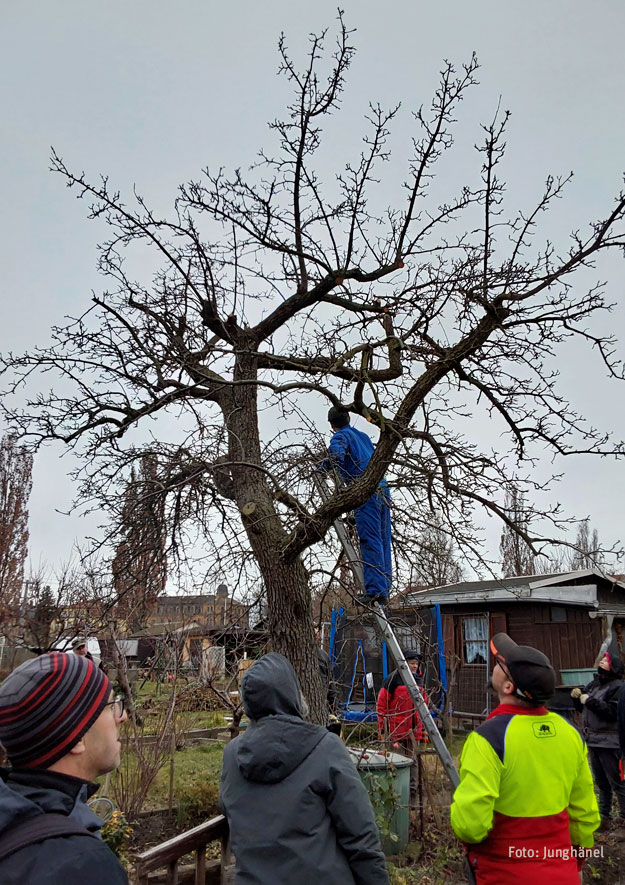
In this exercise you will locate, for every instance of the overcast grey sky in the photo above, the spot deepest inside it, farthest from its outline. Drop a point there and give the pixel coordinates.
(149, 92)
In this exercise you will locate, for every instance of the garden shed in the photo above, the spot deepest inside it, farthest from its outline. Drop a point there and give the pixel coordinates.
(570, 616)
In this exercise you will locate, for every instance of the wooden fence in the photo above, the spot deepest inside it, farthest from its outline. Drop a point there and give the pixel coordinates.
(167, 855)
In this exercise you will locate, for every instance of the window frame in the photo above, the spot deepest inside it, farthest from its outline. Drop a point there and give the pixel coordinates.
(485, 641)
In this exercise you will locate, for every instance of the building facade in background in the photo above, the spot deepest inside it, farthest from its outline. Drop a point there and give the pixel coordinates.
(210, 610)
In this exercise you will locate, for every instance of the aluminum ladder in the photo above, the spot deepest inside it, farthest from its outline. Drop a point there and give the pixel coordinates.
(385, 631)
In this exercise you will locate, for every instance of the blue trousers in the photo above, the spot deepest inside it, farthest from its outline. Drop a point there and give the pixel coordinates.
(373, 524)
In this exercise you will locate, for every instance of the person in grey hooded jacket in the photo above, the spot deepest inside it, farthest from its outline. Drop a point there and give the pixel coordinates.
(295, 804)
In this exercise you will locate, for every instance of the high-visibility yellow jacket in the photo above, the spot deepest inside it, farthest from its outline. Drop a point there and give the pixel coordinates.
(525, 794)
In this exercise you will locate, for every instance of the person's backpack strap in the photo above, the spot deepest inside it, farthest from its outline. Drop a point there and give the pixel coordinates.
(36, 829)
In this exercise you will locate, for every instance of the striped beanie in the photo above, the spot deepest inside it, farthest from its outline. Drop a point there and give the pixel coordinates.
(46, 706)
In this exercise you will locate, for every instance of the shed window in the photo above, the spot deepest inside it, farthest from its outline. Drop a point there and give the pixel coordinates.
(558, 614)
(475, 639)
(407, 638)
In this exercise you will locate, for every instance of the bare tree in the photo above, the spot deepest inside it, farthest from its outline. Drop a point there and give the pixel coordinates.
(223, 690)
(42, 615)
(333, 583)
(435, 556)
(151, 742)
(553, 563)
(140, 563)
(586, 552)
(54, 609)
(279, 291)
(517, 556)
(16, 466)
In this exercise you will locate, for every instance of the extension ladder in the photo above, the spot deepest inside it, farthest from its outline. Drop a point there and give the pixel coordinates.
(385, 631)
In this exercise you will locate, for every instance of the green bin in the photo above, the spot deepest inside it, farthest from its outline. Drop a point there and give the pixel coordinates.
(579, 676)
(387, 779)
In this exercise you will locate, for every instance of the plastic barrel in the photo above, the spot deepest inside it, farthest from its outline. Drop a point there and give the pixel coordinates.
(387, 779)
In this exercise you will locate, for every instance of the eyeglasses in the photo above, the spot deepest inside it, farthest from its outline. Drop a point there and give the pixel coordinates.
(504, 668)
(118, 704)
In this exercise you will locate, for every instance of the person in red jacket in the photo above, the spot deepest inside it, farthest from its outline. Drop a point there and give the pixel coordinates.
(398, 721)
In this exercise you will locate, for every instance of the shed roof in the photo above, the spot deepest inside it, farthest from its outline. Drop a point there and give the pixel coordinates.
(573, 588)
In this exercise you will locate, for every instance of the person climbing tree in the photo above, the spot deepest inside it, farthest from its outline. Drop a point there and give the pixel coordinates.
(349, 453)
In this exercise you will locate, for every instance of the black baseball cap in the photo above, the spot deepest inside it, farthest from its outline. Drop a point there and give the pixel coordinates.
(531, 671)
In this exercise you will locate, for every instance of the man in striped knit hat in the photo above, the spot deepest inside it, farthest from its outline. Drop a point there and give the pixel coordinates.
(59, 726)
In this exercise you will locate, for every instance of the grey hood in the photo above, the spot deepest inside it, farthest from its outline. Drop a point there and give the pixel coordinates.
(277, 739)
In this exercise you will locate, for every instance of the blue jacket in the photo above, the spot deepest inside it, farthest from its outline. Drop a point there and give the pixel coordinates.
(349, 452)
(63, 860)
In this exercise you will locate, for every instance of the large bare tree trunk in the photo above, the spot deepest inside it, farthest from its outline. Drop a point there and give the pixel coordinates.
(291, 625)
(287, 586)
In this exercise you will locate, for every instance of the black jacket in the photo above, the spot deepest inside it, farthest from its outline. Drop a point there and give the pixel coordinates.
(620, 719)
(600, 710)
(63, 860)
(297, 809)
